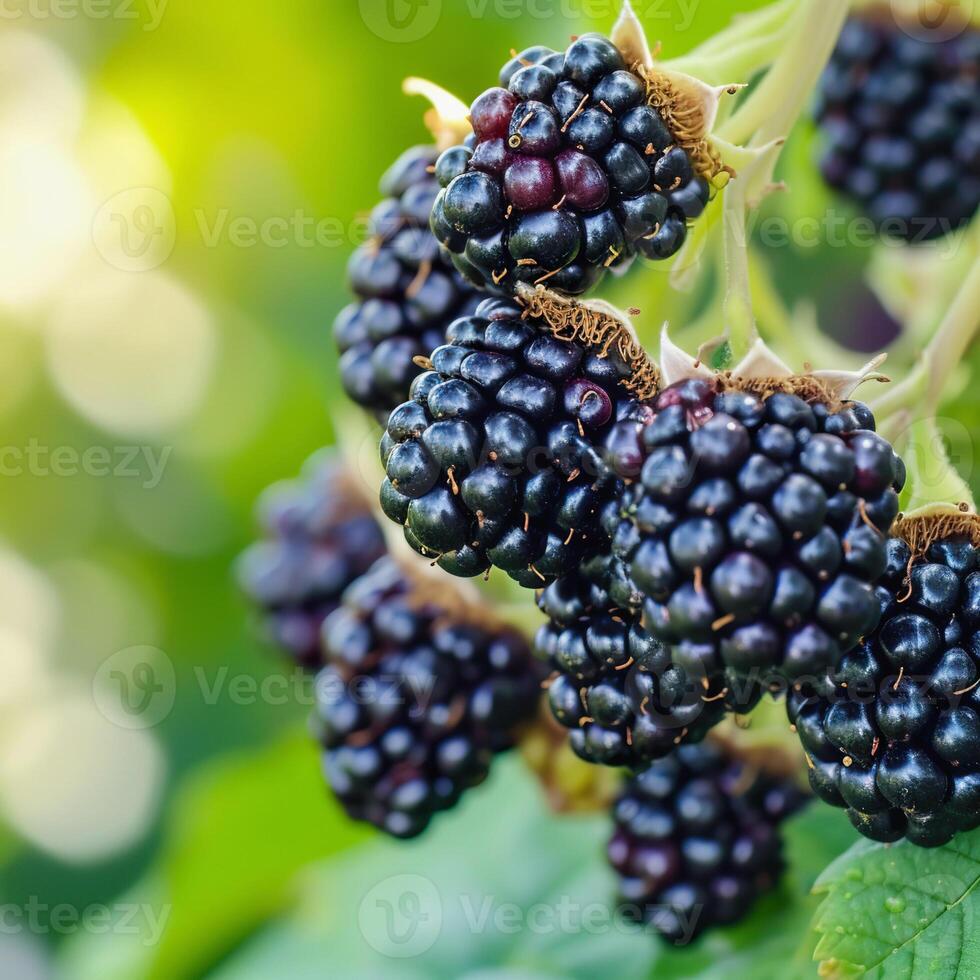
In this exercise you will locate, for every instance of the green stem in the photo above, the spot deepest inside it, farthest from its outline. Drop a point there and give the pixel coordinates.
(768, 20)
(932, 478)
(774, 106)
(740, 327)
(908, 413)
(921, 392)
(749, 45)
(763, 122)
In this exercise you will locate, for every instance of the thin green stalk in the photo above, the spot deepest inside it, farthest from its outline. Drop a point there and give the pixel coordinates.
(763, 122)
(767, 20)
(774, 106)
(749, 44)
(932, 478)
(908, 413)
(740, 326)
(921, 392)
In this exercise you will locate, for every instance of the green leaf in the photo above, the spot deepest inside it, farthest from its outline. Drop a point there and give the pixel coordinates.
(462, 899)
(900, 910)
(504, 889)
(240, 831)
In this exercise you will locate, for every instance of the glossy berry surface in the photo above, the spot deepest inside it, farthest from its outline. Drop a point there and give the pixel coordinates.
(571, 173)
(493, 461)
(318, 537)
(894, 734)
(407, 293)
(899, 116)
(697, 840)
(413, 702)
(615, 686)
(753, 528)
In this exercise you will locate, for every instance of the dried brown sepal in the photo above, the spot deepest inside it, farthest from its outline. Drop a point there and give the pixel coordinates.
(598, 326)
(763, 373)
(684, 116)
(569, 784)
(810, 388)
(922, 529)
(687, 105)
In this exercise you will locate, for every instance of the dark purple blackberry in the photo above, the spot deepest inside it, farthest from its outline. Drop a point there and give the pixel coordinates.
(697, 841)
(894, 734)
(415, 700)
(755, 527)
(493, 461)
(900, 121)
(615, 686)
(572, 173)
(319, 536)
(407, 293)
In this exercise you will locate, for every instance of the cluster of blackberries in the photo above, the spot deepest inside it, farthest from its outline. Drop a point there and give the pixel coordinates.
(414, 701)
(697, 841)
(894, 733)
(494, 460)
(319, 537)
(688, 552)
(407, 292)
(754, 527)
(900, 121)
(617, 687)
(570, 172)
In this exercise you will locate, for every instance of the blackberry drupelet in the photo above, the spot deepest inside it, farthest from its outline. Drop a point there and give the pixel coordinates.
(615, 686)
(900, 122)
(319, 537)
(493, 462)
(571, 173)
(407, 293)
(755, 527)
(697, 841)
(414, 701)
(894, 734)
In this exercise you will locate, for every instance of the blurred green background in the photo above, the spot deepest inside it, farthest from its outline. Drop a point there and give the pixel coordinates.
(181, 182)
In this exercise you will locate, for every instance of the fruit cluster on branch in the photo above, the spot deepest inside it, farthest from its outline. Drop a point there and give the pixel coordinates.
(697, 540)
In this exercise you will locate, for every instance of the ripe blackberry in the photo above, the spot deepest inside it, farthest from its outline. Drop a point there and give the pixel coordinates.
(755, 526)
(414, 701)
(407, 293)
(900, 121)
(494, 459)
(615, 686)
(571, 173)
(319, 536)
(697, 841)
(894, 734)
